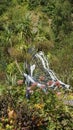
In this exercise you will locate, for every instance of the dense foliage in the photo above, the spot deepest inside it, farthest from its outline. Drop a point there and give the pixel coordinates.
(47, 25)
(39, 113)
(44, 25)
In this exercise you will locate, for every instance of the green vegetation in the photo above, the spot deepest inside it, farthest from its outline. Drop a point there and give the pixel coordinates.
(40, 112)
(46, 25)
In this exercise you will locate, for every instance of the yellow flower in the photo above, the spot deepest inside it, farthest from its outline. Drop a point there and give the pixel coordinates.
(39, 106)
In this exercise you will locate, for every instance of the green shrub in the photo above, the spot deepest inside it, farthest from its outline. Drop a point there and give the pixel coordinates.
(33, 3)
(39, 113)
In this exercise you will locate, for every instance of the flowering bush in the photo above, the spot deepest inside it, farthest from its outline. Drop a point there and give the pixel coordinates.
(41, 112)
